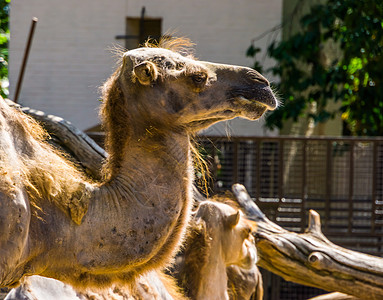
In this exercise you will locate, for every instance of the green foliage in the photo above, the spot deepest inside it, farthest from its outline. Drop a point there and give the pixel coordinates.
(4, 38)
(309, 73)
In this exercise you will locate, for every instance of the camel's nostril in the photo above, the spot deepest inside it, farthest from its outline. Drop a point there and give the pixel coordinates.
(257, 77)
(266, 81)
(262, 80)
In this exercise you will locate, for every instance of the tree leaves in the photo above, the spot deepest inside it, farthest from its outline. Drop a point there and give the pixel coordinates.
(4, 38)
(310, 72)
(252, 51)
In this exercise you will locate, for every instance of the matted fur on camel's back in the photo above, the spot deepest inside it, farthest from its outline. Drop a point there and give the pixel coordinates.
(28, 162)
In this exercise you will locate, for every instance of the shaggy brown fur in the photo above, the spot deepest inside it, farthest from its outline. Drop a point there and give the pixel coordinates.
(180, 45)
(195, 255)
(45, 171)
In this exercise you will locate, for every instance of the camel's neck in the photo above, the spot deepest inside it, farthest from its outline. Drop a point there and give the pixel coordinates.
(145, 207)
(134, 223)
(154, 167)
(213, 284)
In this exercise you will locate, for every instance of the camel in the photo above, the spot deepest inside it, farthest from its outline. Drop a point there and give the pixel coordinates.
(243, 282)
(57, 222)
(219, 237)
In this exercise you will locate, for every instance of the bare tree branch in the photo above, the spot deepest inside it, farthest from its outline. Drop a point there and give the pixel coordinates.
(310, 258)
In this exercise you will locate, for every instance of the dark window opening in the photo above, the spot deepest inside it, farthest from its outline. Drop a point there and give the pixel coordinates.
(139, 30)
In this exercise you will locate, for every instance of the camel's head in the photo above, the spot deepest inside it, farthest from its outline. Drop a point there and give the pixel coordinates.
(166, 88)
(231, 233)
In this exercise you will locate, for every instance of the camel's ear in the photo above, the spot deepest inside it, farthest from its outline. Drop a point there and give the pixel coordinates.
(146, 72)
(233, 219)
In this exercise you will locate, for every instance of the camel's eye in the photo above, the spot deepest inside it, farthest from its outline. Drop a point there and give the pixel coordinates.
(199, 78)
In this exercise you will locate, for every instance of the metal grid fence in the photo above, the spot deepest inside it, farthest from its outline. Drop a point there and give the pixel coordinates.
(340, 178)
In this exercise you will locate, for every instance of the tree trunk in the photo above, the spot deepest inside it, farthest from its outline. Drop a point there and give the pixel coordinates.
(310, 258)
(334, 296)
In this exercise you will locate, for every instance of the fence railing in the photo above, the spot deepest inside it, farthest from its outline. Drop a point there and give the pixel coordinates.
(340, 178)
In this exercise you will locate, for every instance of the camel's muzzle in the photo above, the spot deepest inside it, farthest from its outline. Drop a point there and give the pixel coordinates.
(258, 93)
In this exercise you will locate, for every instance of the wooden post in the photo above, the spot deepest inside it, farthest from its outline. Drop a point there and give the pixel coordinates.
(25, 60)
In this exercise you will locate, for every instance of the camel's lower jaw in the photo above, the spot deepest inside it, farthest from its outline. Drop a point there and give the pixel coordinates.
(252, 110)
(203, 124)
(255, 112)
(249, 108)
(241, 100)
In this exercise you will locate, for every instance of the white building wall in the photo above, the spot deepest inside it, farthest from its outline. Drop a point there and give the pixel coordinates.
(70, 56)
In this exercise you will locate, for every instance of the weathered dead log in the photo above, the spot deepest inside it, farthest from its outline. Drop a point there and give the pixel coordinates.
(310, 258)
(334, 296)
(73, 141)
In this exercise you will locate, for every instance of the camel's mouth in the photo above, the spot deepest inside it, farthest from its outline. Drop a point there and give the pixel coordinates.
(200, 124)
(255, 95)
(251, 109)
(246, 102)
